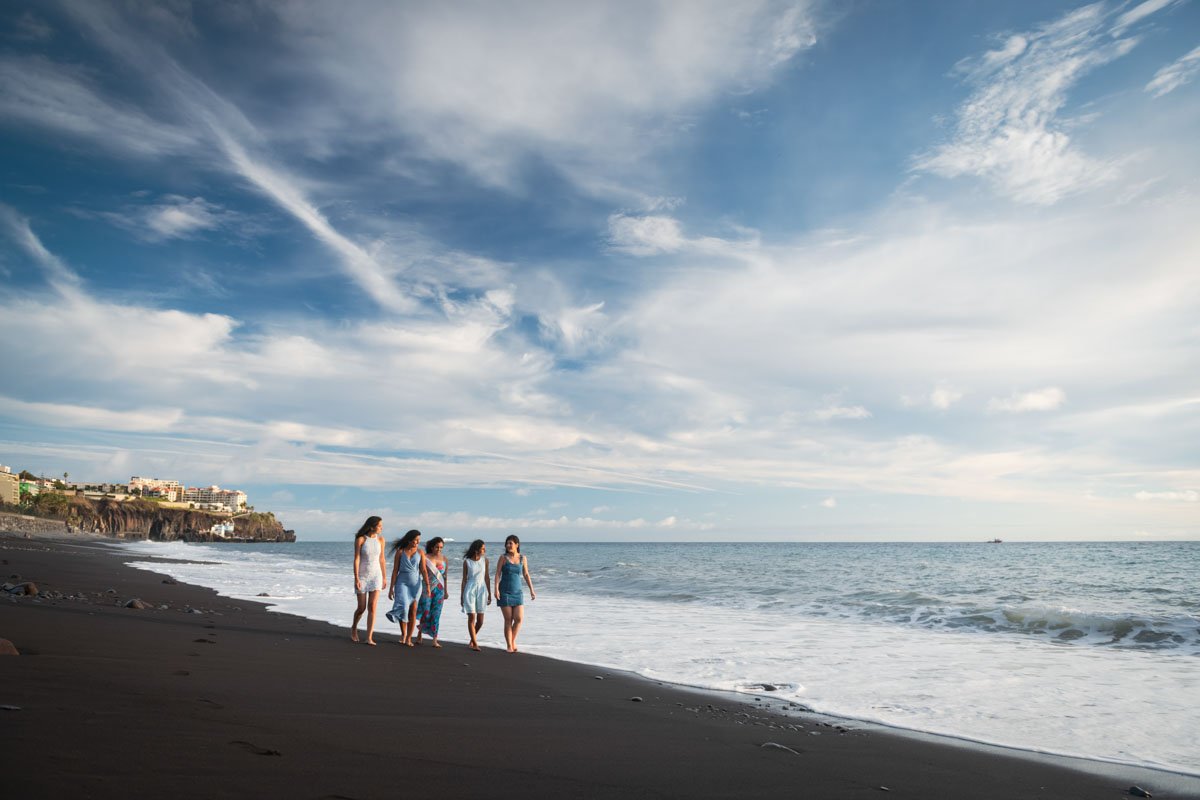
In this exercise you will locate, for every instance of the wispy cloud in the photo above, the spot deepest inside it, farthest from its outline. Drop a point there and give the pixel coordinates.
(1047, 399)
(1187, 496)
(644, 235)
(171, 217)
(64, 100)
(591, 90)
(1010, 131)
(1175, 74)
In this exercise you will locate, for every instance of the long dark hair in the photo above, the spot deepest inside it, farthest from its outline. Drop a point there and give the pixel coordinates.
(474, 549)
(512, 537)
(368, 526)
(405, 540)
(432, 543)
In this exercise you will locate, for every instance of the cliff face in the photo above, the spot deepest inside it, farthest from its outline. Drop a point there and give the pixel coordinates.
(141, 519)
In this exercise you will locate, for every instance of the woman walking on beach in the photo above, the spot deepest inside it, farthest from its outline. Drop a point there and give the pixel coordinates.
(408, 570)
(476, 592)
(509, 571)
(369, 566)
(429, 609)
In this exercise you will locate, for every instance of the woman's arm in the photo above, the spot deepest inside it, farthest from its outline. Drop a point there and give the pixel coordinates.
(357, 582)
(382, 563)
(462, 593)
(528, 580)
(487, 580)
(425, 575)
(499, 568)
(395, 572)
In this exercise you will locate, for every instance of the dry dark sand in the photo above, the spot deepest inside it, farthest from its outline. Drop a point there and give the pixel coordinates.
(240, 702)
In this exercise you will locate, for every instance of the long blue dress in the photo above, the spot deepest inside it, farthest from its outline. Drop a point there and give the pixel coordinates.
(407, 587)
(429, 609)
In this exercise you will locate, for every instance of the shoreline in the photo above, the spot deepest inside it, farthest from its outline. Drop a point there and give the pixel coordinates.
(678, 741)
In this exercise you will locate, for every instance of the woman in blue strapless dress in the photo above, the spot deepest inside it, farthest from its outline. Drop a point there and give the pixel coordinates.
(509, 571)
(408, 575)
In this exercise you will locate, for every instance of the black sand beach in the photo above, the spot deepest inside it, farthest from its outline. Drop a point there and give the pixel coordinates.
(212, 697)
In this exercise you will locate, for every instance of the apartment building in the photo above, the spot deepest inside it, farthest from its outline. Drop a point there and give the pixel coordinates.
(157, 487)
(215, 497)
(10, 486)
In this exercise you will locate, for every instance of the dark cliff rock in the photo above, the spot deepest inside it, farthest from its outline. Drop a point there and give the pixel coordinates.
(142, 519)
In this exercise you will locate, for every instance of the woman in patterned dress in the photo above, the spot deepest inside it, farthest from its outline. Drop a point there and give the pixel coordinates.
(429, 608)
(369, 579)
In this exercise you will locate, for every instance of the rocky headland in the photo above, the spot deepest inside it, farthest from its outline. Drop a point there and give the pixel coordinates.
(143, 519)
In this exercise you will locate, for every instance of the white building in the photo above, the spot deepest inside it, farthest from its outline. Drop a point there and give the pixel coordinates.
(168, 490)
(215, 497)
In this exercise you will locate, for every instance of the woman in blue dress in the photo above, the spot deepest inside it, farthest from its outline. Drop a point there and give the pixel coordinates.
(476, 594)
(408, 572)
(511, 568)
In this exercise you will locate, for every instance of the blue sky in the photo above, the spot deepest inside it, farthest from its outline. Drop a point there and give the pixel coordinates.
(695, 270)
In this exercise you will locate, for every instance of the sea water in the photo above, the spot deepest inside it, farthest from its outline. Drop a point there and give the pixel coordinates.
(1085, 649)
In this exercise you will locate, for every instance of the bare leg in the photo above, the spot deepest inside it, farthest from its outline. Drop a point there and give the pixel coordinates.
(518, 616)
(358, 612)
(412, 623)
(371, 603)
(507, 611)
(474, 623)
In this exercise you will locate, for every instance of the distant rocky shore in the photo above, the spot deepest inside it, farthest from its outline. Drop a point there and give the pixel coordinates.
(136, 520)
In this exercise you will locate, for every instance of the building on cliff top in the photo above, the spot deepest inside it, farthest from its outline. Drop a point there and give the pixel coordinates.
(230, 500)
(10, 487)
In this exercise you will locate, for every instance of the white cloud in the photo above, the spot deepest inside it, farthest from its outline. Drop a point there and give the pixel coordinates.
(832, 412)
(1010, 132)
(1175, 74)
(591, 89)
(829, 502)
(1188, 496)
(1138, 13)
(944, 396)
(1047, 399)
(644, 235)
(62, 99)
(172, 217)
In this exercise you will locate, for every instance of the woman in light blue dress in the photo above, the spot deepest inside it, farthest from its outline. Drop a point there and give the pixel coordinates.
(512, 568)
(369, 565)
(408, 573)
(476, 593)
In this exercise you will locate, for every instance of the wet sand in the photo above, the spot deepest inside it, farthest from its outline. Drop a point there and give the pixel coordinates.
(203, 696)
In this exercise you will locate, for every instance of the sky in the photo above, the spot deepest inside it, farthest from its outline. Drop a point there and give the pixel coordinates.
(612, 271)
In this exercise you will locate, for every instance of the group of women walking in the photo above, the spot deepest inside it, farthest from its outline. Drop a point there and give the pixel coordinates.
(419, 585)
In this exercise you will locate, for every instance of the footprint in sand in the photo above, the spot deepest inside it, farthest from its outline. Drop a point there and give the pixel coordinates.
(255, 749)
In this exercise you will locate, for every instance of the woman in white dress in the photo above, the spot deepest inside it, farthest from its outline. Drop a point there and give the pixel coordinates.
(369, 575)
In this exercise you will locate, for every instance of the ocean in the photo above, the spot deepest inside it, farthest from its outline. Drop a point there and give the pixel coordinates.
(1083, 649)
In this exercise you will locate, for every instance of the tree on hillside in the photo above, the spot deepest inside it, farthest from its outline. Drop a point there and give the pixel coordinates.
(26, 475)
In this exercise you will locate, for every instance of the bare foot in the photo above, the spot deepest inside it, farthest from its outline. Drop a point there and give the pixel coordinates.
(435, 644)
(473, 646)
(354, 637)
(408, 644)
(371, 642)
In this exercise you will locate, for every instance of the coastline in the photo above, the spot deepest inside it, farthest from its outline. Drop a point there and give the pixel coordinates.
(117, 701)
